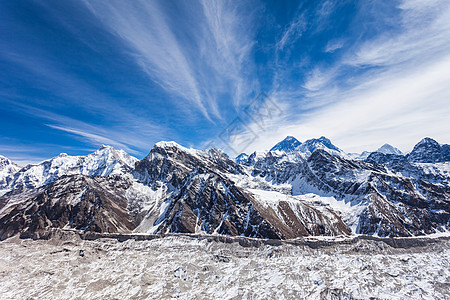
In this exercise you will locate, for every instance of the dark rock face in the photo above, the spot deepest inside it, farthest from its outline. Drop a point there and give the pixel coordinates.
(250, 161)
(215, 205)
(445, 150)
(289, 144)
(400, 164)
(396, 205)
(179, 190)
(381, 158)
(429, 151)
(79, 202)
(399, 206)
(315, 144)
(203, 198)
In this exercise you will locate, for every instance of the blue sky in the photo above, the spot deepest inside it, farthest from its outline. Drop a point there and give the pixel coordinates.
(78, 74)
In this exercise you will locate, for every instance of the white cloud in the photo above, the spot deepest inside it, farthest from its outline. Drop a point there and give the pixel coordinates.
(91, 137)
(143, 27)
(292, 33)
(400, 101)
(333, 45)
(195, 60)
(226, 44)
(318, 79)
(129, 138)
(400, 109)
(425, 32)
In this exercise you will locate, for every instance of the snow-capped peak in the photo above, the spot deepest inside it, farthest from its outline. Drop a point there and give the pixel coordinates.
(103, 146)
(164, 144)
(289, 144)
(172, 144)
(323, 143)
(7, 170)
(388, 149)
(103, 162)
(109, 154)
(7, 163)
(427, 141)
(241, 158)
(429, 151)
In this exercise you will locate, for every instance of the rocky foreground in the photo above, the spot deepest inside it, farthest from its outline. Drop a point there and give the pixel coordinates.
(215, 267)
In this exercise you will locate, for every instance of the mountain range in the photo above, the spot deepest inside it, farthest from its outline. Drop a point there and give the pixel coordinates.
(295, 189)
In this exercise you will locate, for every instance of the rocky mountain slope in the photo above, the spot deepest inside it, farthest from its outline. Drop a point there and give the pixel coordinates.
(429, 151)
(379, 201)
(79, 202)
(274, 194)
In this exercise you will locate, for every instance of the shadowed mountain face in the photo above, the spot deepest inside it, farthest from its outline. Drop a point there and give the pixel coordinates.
(289, 144)
(198, 197)
(204, 198)
(175, 189)
(79, 202)
(397, 205)
(429, 151)
(391, 205)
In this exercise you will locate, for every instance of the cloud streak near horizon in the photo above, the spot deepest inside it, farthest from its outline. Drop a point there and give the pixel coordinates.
(80, 74)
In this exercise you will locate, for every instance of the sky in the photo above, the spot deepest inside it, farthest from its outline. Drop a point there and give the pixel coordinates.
(236, 75)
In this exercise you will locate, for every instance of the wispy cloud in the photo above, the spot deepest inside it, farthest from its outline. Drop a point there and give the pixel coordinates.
(334, 45)
(424, 32)
(129, 138)
(93, 138)
(356, 72)
(189, 64)
(143, 27)
(397, 92)
(226, 44)
(292, 33)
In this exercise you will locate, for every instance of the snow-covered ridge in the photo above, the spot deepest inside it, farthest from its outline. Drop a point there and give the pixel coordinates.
(7, 166)
(167, 145)
(292, 150)
(103, 162)
(273, 194)
(7, 170)
(388, 149)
